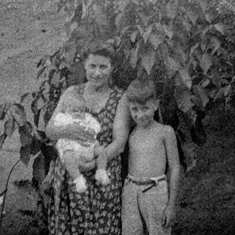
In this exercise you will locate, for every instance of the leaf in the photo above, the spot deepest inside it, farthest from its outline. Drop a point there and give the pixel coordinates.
(42, 61)
(51, 74)
(9, 126)
(41, 134)
(60, 5)
(25, 135)
(23, 97)
(70, 51)
(219, 27)
(190, 153)
(215, 44)
(203, 95)
(40, 72)
(192, 16)
(219, 94)
(187, 26)
(1, 199)
(197, 132)
(134, 55)
(209, 17)
(183, 98)
(39, 171)
(172, 9)
(141, 30)
(18, 113)
(205, 82)
(76, 75)
(205, 63)
(35, 146)
(156, 40)
(133, 36)
(118, 21)
(203, 4)
(227, 90)
(67, 30)
(168, 30)
(147, 34)
(173, 64)
(2, 112)
(49, 152)
(186, 78)
(25, 154)
(192, 49)
(78, 12)
(148, 60)
(28, 127)
(100, 17)
(56, 79)
(2, 139)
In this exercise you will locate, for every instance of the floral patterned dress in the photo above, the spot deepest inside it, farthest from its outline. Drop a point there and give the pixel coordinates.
(98, 209)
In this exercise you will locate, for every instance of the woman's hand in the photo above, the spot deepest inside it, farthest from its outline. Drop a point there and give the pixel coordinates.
(99, 149)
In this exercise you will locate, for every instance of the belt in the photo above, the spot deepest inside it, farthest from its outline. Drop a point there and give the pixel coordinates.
(148, 181)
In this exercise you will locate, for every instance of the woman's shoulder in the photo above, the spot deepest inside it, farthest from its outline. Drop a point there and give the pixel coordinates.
(118, 91)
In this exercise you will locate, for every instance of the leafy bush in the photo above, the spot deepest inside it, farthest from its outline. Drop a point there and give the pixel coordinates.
(187, 47)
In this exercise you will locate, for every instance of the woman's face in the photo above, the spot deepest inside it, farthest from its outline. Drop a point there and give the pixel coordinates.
(98, 70)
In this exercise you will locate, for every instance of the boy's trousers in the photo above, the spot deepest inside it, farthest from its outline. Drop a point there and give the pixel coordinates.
(143, 204)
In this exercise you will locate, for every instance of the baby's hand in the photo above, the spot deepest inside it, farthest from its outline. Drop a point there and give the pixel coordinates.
(80, 183)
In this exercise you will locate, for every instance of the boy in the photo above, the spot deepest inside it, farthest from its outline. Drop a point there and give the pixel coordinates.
(152, 146)
(71, 152)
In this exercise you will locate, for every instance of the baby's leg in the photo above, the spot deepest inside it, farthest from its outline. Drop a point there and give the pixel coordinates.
(71, 165)
(101, 173)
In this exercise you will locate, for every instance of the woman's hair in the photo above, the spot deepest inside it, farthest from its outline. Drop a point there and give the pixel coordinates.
(98, 47)
(141, 91)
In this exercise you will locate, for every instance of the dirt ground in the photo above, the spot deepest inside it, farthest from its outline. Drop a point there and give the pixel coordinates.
(31, 29)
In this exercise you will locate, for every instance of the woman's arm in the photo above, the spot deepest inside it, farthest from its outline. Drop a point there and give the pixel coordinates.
(72, 131)
(121, 129)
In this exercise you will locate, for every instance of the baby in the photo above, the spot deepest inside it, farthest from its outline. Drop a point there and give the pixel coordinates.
(72, 152)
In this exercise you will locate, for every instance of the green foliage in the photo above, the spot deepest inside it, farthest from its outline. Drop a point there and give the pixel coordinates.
(187, 47)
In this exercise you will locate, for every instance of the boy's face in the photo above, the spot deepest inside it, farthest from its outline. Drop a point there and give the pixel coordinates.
(143, 114)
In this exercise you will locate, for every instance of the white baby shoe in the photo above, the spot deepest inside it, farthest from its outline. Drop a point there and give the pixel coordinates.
(102, 176)
(80, 183)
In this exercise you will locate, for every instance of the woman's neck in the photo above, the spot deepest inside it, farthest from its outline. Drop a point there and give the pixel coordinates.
(98, 89)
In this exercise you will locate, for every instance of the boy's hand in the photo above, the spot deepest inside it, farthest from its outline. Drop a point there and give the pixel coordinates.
(168, 216)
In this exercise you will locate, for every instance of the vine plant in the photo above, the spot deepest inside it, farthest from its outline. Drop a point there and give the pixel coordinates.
(186, 46)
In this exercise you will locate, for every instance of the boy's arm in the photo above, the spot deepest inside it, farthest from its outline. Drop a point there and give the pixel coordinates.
(174, 167)
(121, 129)
(72, 131)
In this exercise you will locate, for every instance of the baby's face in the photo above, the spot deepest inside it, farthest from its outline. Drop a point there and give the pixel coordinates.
(77, 112)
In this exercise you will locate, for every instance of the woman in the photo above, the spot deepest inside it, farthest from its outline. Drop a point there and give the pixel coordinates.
(97, 210)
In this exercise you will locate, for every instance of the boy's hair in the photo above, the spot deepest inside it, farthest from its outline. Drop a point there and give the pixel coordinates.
(141, 91)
